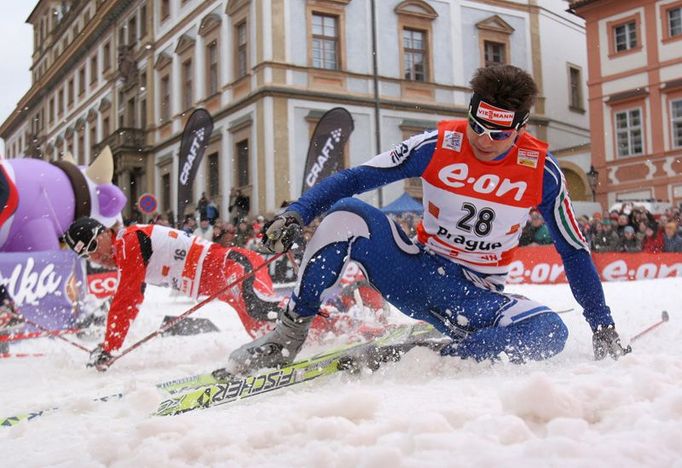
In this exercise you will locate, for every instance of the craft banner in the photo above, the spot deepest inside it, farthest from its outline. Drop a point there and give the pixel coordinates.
(46, 286)
(195, 138)
(325, 152)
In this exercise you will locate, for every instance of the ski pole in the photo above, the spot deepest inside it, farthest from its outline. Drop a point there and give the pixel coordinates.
(664, 318)
(292, 260)
(56, 335)
(171, 323)
(39, 334)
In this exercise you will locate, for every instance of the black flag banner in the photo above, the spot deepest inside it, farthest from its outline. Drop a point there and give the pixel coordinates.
(325, 153)
(195, 138)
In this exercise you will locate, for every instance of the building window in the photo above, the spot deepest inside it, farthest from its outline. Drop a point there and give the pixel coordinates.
(675, 21)
(106, 60)
(213, 168)
(143, 113)
(212, 68)
(575, 88)
(164, 9)
(166, 192)
(93, 141)
(629, 132)
(60, 102)
(132, 30)
(93, 69)
(130, 113)
(70, 92)
(241, 52)
(81, 81)
(414, 47)
(81, 148)
(325, 42)
(187, 94)
(494, 53)
(625, 36)
(106, 126)
(242, 163)
(676, 114)
(51, 110)
(121, 36)
(143, 21)
(165, 98)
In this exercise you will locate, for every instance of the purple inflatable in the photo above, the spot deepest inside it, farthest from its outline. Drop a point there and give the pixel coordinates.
(41, 199)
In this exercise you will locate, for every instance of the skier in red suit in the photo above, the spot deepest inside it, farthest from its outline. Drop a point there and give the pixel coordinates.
(162, 256)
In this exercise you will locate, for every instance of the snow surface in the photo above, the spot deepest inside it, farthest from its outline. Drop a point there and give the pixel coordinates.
(424, 411)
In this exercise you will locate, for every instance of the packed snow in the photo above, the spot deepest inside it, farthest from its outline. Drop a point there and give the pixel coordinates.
(425, 411)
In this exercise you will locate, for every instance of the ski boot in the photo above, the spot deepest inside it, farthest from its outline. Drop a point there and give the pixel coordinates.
(275, 349)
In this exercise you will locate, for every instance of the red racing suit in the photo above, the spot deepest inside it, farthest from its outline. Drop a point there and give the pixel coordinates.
(162, 256)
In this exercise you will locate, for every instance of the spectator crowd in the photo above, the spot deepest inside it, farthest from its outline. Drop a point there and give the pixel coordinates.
(632, 230)
(637, 230)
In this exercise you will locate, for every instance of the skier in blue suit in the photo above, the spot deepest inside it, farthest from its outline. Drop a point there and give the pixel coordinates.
(481, 176)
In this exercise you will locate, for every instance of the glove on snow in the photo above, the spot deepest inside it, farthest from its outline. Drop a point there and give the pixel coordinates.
(99, 359)
(606, 341)
(281, 233)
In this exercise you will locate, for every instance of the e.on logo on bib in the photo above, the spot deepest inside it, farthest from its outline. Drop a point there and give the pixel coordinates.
(457, 176)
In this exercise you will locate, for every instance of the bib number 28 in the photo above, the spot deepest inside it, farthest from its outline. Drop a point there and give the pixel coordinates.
(479, 221)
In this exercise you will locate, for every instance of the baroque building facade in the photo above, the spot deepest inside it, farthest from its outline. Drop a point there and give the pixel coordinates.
(127, 73)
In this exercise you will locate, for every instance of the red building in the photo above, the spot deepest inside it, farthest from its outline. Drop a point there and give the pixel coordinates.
(635, 97)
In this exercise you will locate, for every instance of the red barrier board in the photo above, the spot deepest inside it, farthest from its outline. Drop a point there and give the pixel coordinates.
(543, 265)
(103, 284)
(531, 265)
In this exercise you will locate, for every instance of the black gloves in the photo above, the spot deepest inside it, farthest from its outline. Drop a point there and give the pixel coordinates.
(606, 341)
(99, 359)
(281, 233)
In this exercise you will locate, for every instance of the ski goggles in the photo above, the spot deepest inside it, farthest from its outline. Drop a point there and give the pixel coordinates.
(89, 248)
(495, 135)
(82, 249)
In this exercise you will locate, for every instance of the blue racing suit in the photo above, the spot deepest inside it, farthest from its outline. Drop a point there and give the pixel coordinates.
(458, 300)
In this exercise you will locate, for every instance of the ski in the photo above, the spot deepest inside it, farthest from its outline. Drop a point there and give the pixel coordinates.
(19, 418)
(352, 358)
(21, 355)
(200, 380)
(385, 348)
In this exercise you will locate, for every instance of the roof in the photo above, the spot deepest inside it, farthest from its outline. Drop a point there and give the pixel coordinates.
(35, 9)
(581, 3)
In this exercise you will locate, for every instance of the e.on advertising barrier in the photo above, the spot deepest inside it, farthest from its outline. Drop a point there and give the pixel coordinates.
(531, 265)
(543, 265)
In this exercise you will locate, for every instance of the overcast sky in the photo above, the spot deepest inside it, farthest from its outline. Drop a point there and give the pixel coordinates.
(16, 47)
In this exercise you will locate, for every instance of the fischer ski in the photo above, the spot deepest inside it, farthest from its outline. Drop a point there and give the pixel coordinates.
(383, 349)
(200, 380)
(370, 354)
